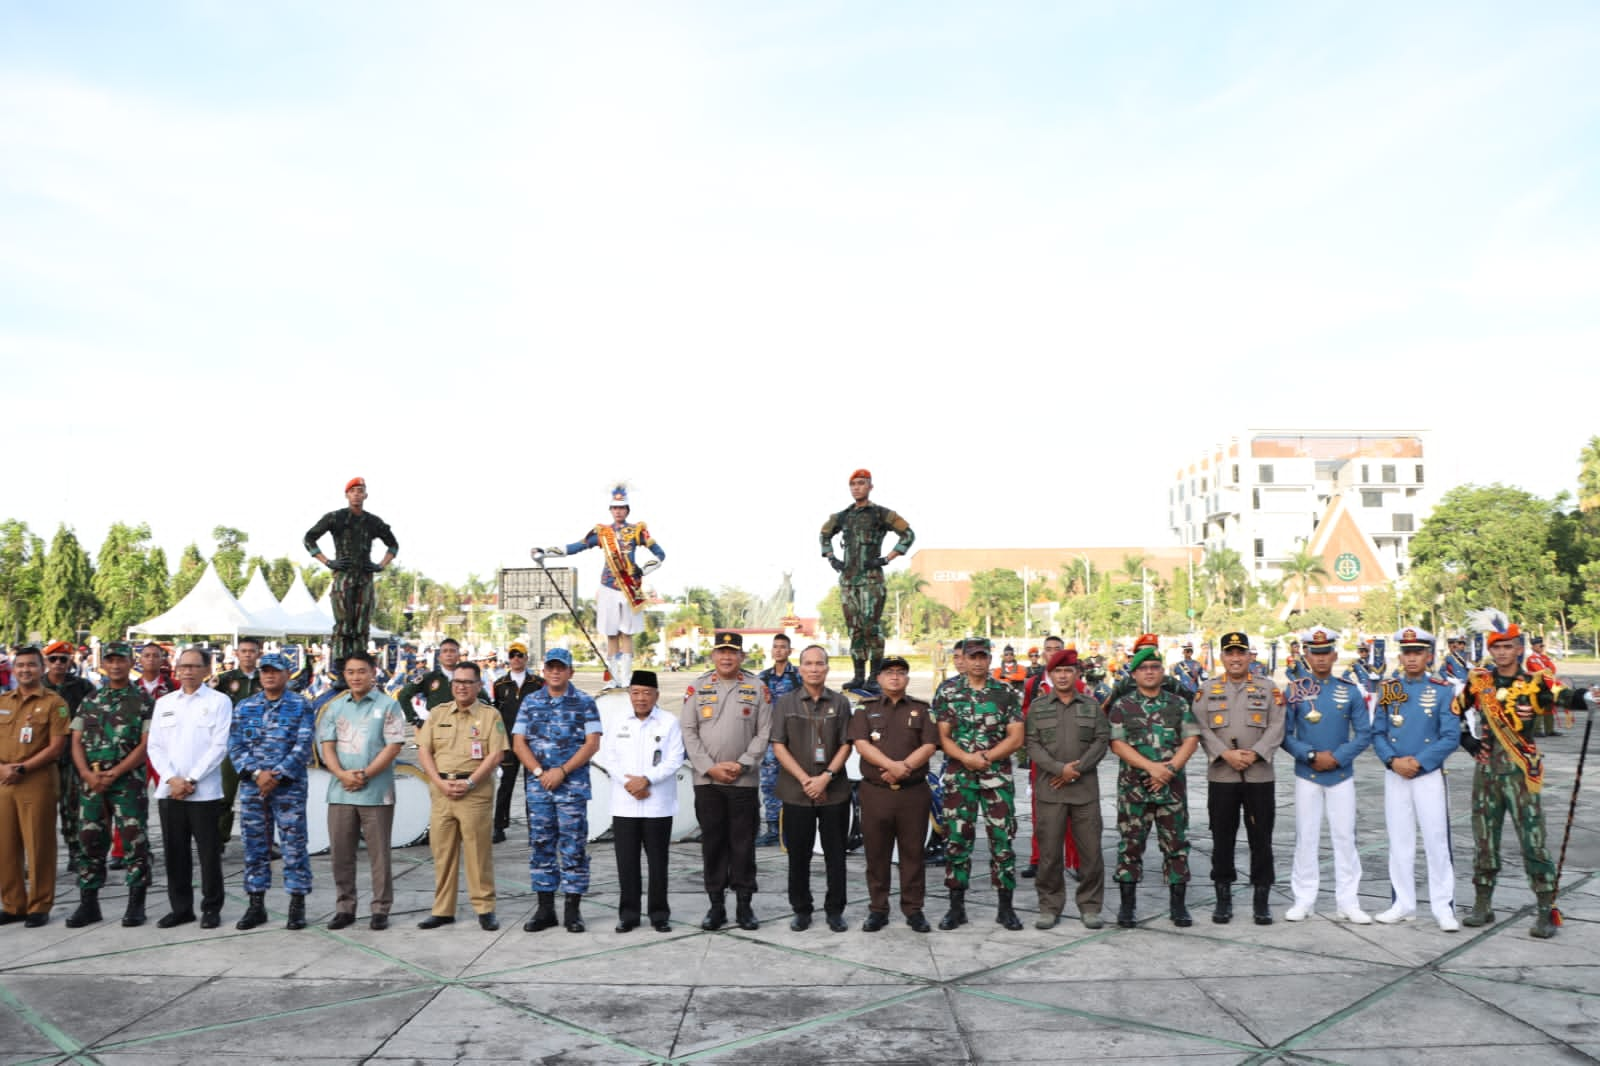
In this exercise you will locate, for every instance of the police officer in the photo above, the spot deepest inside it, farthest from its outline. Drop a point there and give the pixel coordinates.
(980, 728)
(1413, 732)
(1326, 725)
(896, 737)
(109, 736)
(781, 678)
(1153, 732)
(1240, 718)
(510, 689)
(270, 744)
(237, 684)
(557, 732)
(434, 685)
(33, 731)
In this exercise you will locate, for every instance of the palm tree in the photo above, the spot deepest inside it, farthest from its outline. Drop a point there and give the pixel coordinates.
(1589, 475)
(1133, 565)
(1225, 574)
(1299, 570)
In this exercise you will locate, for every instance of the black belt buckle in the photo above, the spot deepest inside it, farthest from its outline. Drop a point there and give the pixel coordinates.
(454, 777)
(98, 767)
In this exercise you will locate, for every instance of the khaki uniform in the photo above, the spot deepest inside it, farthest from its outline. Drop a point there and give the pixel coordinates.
(727, 721)
(460, 741)
(28, 725)
(1245, 714)
(1060, 731)
(895, 814)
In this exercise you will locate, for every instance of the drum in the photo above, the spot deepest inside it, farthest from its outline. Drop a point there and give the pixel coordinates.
(685, 825)
(599, 813)
(413, 807)
(317, 782)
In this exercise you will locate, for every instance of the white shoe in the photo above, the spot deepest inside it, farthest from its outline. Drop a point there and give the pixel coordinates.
(1298, 913)
(1355, 916)
(1395, 915)
(1449, 924)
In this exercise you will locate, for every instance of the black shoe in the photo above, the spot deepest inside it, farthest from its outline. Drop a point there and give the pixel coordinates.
(837, 923)
(544, 915)
(715, 918)
(174, 919)
(499, 837)
(133, 915)
(255, 914)
(488, 922)
(918, 922)
(274, 854)
(800, 923)
(933, 854)
(876, 920)
(6, 917)
(1130, 899)
(379, 923)
(1222, 913)
(434, 921)
(663, 926)
(746, 917)
(571, 917)
(342, 921)
(117, 862)
(1261, 905)
(36, 919)
(1004, 914)
(1178, 909)
(956, 916)
(627, 927)
(1030, 870)
(1072, 872)
(853, 842)
(88, 911)
(210, 919)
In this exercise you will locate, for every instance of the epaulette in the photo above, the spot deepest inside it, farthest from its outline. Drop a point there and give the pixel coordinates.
(1437, 680)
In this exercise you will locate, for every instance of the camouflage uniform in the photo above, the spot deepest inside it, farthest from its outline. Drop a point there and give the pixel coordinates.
(1155, 728)
(434, 687)
(113, 722)
(861, 586)
(778, 685)
(74, 690)
(274, 735)
(236, 685)
(978, 719)
(558, 822)
(353, 597)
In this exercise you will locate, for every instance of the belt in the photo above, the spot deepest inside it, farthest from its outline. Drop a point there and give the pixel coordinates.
(897, 786)
(98, 766)
(454, 777)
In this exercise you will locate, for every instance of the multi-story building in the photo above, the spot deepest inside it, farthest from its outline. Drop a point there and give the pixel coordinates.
(1354, 497)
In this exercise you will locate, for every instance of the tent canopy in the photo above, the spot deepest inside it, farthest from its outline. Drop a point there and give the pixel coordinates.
(209, 610)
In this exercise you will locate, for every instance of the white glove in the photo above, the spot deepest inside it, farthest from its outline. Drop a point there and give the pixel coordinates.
(650, 565)
(558, 551)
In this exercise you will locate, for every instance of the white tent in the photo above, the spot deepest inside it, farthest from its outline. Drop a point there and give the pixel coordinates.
(303, 614)
(325, 607)
(258, 599)
(209, 610)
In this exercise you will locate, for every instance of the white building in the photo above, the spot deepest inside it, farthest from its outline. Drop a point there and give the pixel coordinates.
(1355, 497)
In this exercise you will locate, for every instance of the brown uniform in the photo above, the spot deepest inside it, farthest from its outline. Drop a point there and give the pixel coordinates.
(898, 813)
(727, 721)
(813, 732)
(1244, 714)
(460, 741)
(1060, 730)
(29, 725)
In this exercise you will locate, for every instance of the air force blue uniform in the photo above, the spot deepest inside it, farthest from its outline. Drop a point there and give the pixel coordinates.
(274, 735)
(1413, 719)
(777, 686)
(558, 821)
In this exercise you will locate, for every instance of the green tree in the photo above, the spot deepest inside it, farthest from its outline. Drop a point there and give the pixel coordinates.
(22, 557)
(1299, 570)
(995, 602)
(317, 578)
(1493, 539)
(66, 597)
(280, 575)
(130, 580)
(191, 564)
(831, 612)
(1225, 576)
(1589, 475)
(228, 560)
(733, 607)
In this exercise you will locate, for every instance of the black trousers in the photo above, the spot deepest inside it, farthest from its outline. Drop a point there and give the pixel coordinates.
(801, 823)
(652, 836)
(510, 770)
(727, 816)
(1225, 800)
(183, 822)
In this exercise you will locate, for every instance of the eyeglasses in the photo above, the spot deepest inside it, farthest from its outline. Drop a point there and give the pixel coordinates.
(519, 655)
(58, 658)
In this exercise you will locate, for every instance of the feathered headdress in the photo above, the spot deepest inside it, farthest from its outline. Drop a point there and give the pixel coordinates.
(1493, 625)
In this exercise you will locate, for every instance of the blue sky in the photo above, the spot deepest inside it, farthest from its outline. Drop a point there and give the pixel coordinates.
(1020, 261)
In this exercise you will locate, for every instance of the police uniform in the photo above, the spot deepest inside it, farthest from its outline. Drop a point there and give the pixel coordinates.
(555, 728)
(779, 684)
(1413, 720)
(895, 814)
(1329, 716)
(29, 725)
(1061, 730)
(813, 733)
(508, 695)
(236, 685)
(275, 736)
(459, 741)
(111, 725)
(727, 720)
(1247, 715)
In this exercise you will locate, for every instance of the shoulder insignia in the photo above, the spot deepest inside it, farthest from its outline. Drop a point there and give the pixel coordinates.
(688, 692)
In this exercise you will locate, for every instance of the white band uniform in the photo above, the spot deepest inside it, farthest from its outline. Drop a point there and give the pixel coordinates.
(1311, 801)
(1410, 803)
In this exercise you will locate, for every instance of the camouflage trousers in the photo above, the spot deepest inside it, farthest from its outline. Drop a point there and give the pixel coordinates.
(770, 806)
(558, 836)
(285, 808)
(863, 615)
(124, 807)
(1172, 836)
(353, 598)
(965, 805)
(68, 797)
(1493, 797)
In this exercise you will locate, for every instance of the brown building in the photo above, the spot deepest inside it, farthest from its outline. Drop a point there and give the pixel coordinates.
(949, 571)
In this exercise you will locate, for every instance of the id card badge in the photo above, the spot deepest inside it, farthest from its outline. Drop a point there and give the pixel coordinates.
(477, 749)
(27, 735)
(819, 755)
(655, 760)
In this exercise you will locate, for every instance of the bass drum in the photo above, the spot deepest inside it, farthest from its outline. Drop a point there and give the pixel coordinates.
(599, 812)
(413, 806)
(685, 824)
(317, 782)
(852, 771)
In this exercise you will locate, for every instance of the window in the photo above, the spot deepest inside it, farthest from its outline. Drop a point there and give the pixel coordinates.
(1255, 499)
(1365, 473)
(1404, 523)
(1235, 473)
(1419, 473)
(1261, 548)
(1371, 498)
(1264, 473)
(1205, 485)
(1388, 473)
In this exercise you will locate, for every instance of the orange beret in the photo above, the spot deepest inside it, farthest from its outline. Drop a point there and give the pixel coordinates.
(863, 472)
(59, 647)
(353, 482)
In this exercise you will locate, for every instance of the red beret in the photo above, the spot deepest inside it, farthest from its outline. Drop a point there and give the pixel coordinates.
(353, 482)
(863, 472)
(59, 647)
(1064, 657)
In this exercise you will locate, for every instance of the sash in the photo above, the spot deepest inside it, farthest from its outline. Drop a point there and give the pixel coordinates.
(621, 566)
(1506, 726)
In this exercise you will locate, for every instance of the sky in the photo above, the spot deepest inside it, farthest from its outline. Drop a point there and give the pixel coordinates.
(1020, 260)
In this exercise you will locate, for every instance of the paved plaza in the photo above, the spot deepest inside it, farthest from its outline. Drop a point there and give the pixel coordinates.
(1316, 991)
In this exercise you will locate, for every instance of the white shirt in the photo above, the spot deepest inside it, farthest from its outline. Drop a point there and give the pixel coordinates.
(188, 739)
(651, 748)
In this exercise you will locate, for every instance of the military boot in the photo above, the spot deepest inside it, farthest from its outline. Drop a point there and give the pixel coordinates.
(88, 910)
(297, 912)
(858, 678)
(255, 914)
(544, 915)
(1130, 897)
(769, 837)
(717, 916)
(133, 915)
(1262, 904)
(1177, 907)
(1222, 913)
(744, 913)
(957, 914)
(1004, 914)
(871, 682)
(1544, 925)
(1482, 909)
(571, 917)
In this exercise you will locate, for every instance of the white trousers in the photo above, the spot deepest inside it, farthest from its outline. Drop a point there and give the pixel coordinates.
(1410, 803)
(614, 616)
(1311, 801)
